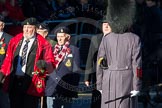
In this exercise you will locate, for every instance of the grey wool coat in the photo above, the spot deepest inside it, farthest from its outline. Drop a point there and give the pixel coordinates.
(123, 54)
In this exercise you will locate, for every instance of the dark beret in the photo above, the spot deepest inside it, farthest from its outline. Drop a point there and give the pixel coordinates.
(42, 26)
(62, 30)
(105, 21)
(30, 21)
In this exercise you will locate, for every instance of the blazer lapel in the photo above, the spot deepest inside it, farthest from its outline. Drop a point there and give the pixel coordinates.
(18, 48)
(33, 46)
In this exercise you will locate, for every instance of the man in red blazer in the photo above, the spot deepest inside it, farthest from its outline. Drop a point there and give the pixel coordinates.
(29, 57)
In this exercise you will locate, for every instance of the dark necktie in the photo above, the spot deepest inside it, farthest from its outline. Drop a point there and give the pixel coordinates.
(24, 52)
(60, 49)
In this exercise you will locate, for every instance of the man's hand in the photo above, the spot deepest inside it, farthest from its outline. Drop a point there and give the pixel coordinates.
(86, 83)
(41, 64)
(100, 91)
(134, 93)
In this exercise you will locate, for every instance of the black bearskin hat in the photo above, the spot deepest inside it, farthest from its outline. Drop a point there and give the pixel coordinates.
(120, 14)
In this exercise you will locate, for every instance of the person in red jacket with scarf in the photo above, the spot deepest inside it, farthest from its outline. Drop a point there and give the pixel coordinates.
(29, 57)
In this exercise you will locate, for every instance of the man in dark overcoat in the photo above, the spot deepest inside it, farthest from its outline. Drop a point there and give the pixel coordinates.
(90, 72)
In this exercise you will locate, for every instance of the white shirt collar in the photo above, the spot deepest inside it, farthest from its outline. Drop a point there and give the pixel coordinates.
(1, 33)
(30, 38)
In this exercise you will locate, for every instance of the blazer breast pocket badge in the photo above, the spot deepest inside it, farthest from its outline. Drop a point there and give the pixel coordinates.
(68, 63)
(2, 46)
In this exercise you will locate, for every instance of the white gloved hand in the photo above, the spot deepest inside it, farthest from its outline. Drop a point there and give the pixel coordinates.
(134, 93)
(100, 91)
(87, 83)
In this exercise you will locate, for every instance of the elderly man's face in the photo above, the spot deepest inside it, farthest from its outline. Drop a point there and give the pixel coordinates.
(29, 31)
(43, 32)
(1, 26)
(62, 38)
(106, 28)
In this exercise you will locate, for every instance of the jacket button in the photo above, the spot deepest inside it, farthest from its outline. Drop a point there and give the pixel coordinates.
(56, 79)
(126, 67)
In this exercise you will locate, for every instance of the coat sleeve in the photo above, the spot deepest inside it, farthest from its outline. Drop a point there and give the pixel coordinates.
(89, 62)
(76, 60)
(7, 63)
(48, 57)
(99, 70)
(137, 64)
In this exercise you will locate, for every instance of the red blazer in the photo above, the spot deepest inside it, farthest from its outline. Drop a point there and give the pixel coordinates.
(43, 45)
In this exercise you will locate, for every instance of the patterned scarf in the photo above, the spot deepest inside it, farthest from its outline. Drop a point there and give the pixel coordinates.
(59, 53)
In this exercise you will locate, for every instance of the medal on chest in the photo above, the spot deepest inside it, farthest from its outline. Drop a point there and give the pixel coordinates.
(68, 63)
(2, 46)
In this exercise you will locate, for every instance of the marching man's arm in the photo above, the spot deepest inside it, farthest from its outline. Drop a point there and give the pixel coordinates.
(99, 70)
(137, 66)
